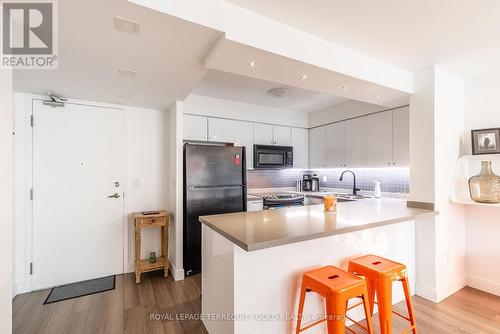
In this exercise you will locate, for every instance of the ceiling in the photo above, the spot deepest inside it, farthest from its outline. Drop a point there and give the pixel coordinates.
(234, 57)
(245, 89)
(461, 36)
(167, 56)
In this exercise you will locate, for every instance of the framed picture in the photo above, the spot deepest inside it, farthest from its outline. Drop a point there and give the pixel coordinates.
(486, 141)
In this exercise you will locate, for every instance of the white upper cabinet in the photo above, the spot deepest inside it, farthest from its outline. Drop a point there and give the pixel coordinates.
(282, 135)
(379, 139)
(266, 134)
(300, 143)
(355, 142)
(263, 134)
(401, 137)
(220, 130)
(195, 127)
(335, 145)
(317, 147)
(243, 136)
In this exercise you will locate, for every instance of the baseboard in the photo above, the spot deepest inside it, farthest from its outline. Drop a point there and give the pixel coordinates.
(443, 291)
(446, 290)
(20, 288)
(483, 285)
(426, 293)
(178, 274)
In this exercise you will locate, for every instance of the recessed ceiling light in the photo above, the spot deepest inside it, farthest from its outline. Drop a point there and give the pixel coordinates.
(279, 91)
(251, 64)
(126, 25)
(303, 76)
(345, 87)
(127, 72)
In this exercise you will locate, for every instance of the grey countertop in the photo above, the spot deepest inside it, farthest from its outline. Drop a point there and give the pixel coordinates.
(270, 228)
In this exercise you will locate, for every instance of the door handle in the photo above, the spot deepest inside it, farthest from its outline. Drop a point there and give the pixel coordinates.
(115, 195)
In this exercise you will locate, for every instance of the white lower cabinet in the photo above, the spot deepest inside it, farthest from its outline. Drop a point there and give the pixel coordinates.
(255, 204)
(195, 127)
(317, 147)
(335, 145)
(243, 136)
(220, 130)
(300, 143)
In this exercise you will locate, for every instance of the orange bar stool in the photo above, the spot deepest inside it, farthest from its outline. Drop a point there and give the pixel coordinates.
(337, 287)
(379, 274)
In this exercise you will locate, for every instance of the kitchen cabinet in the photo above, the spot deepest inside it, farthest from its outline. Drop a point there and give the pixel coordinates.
(220, 130)
(355, 142)
(300, 143)
(335, 145)
(282, 135)
(401, 137)
(317, 147)
(263, 134)
(195, 127)
(255, 203)
(266, 134)
(243, 136)
(379, 139)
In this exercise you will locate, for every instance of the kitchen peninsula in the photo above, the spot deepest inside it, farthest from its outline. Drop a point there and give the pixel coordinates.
(252, 262)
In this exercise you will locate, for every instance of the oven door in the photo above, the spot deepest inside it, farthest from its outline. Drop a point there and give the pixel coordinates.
(273, 157)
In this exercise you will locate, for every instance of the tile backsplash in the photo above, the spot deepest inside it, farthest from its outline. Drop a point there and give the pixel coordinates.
(395, 180)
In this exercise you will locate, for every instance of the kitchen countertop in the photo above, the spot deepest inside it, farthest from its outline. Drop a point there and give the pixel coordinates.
(270, 228)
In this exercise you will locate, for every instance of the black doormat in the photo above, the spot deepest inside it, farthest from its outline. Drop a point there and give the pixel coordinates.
(80, 289)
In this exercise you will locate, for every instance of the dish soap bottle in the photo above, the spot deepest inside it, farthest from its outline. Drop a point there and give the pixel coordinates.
(377, 191)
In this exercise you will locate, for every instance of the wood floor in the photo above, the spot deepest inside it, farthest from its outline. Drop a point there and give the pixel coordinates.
(128, 309)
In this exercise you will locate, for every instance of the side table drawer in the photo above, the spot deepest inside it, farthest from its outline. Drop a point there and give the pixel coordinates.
(158, 221)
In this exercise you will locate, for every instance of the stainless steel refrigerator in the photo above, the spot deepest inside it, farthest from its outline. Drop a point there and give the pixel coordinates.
(214, 183)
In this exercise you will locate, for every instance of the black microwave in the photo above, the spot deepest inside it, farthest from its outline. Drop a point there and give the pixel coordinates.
(272, 157)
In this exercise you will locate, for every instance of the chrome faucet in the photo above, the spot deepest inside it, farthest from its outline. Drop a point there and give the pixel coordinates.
(354, 188)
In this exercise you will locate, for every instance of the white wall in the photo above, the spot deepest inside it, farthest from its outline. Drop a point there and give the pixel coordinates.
(482, 110)
(175, 181)
(145, 184)
(436, 125)
(147, 173)
(208, 106)
(6, 200)
(341, 112)
(450, 224)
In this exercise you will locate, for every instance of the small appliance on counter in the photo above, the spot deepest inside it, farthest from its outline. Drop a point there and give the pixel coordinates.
(315, 182)
(306, 182)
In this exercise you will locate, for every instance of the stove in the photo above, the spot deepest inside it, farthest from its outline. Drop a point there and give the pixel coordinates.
(280, 200)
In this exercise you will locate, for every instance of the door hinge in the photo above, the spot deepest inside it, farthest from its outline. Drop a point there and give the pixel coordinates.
(31, 194)
(31, 268)
(32, 120)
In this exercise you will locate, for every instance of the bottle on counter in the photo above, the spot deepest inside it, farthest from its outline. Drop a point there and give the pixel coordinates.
(377, 191)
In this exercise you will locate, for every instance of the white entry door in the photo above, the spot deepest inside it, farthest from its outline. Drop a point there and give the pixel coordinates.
(78, 154)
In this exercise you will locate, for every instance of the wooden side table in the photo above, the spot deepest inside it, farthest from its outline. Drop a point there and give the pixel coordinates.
(144, 221)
